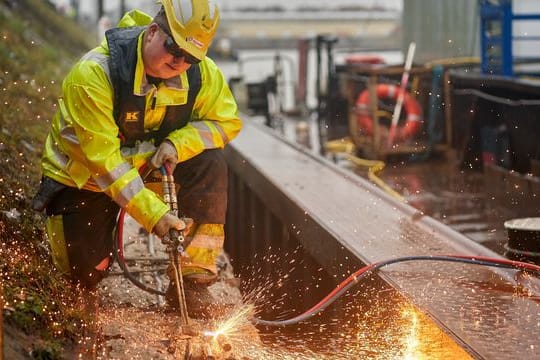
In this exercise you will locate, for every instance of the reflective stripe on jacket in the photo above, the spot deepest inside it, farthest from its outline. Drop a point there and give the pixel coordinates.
(83, 149)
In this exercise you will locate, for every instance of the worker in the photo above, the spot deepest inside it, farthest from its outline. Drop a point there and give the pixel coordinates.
(147, 95)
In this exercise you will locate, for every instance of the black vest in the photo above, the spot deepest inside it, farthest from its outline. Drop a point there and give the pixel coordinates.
(129, 109)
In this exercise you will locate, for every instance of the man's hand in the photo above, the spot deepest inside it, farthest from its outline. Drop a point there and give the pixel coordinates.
(166, 153)
(168, 222)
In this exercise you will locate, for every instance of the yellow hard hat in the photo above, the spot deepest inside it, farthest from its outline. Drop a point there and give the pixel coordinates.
(193, 24)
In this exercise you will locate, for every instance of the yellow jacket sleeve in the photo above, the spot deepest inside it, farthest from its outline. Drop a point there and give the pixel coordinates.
(215, 119)
(88, 135)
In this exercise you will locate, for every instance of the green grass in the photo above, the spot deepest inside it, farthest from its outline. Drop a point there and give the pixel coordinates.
(36, 48)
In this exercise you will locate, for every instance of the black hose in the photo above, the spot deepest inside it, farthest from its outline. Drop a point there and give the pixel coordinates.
(353, 279)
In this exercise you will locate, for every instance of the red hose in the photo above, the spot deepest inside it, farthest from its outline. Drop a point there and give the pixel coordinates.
(353, 278)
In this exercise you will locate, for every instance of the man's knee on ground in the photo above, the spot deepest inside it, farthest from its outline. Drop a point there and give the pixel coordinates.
(103, 265)
(91, 277)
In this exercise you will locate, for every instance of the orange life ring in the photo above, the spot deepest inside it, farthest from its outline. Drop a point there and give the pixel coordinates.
(413, 121)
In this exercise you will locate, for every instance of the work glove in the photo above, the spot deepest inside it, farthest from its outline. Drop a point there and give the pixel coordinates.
(166, 153)
(168, 222)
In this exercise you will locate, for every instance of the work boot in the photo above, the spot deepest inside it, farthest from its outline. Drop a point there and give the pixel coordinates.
(199, 276)
(199, 300)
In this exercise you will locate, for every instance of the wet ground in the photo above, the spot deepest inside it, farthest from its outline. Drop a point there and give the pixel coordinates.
(135, 324)
(373, 321)
(453, 196)
(437, 186)
(369, 323)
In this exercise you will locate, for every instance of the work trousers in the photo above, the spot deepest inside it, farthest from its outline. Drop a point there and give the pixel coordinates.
(81, 223)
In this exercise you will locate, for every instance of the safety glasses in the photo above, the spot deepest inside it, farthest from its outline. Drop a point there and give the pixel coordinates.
(176, 51)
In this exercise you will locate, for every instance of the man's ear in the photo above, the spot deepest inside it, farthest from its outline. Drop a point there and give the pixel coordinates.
(152, 29)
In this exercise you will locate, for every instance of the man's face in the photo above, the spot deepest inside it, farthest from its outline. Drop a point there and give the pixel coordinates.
(158, 62)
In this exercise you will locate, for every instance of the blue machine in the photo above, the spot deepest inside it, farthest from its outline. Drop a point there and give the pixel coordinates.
(496, 36)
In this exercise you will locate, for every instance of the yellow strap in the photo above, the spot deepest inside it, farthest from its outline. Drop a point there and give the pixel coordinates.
(346, 146)
(375, 166)
(57, 241)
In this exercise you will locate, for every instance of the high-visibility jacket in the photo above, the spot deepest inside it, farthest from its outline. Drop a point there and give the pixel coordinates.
(83, 148)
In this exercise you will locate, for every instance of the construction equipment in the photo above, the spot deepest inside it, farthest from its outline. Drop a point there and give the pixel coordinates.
(175, 241)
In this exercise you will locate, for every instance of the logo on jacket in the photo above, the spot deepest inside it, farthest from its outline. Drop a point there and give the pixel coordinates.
(132, 116)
